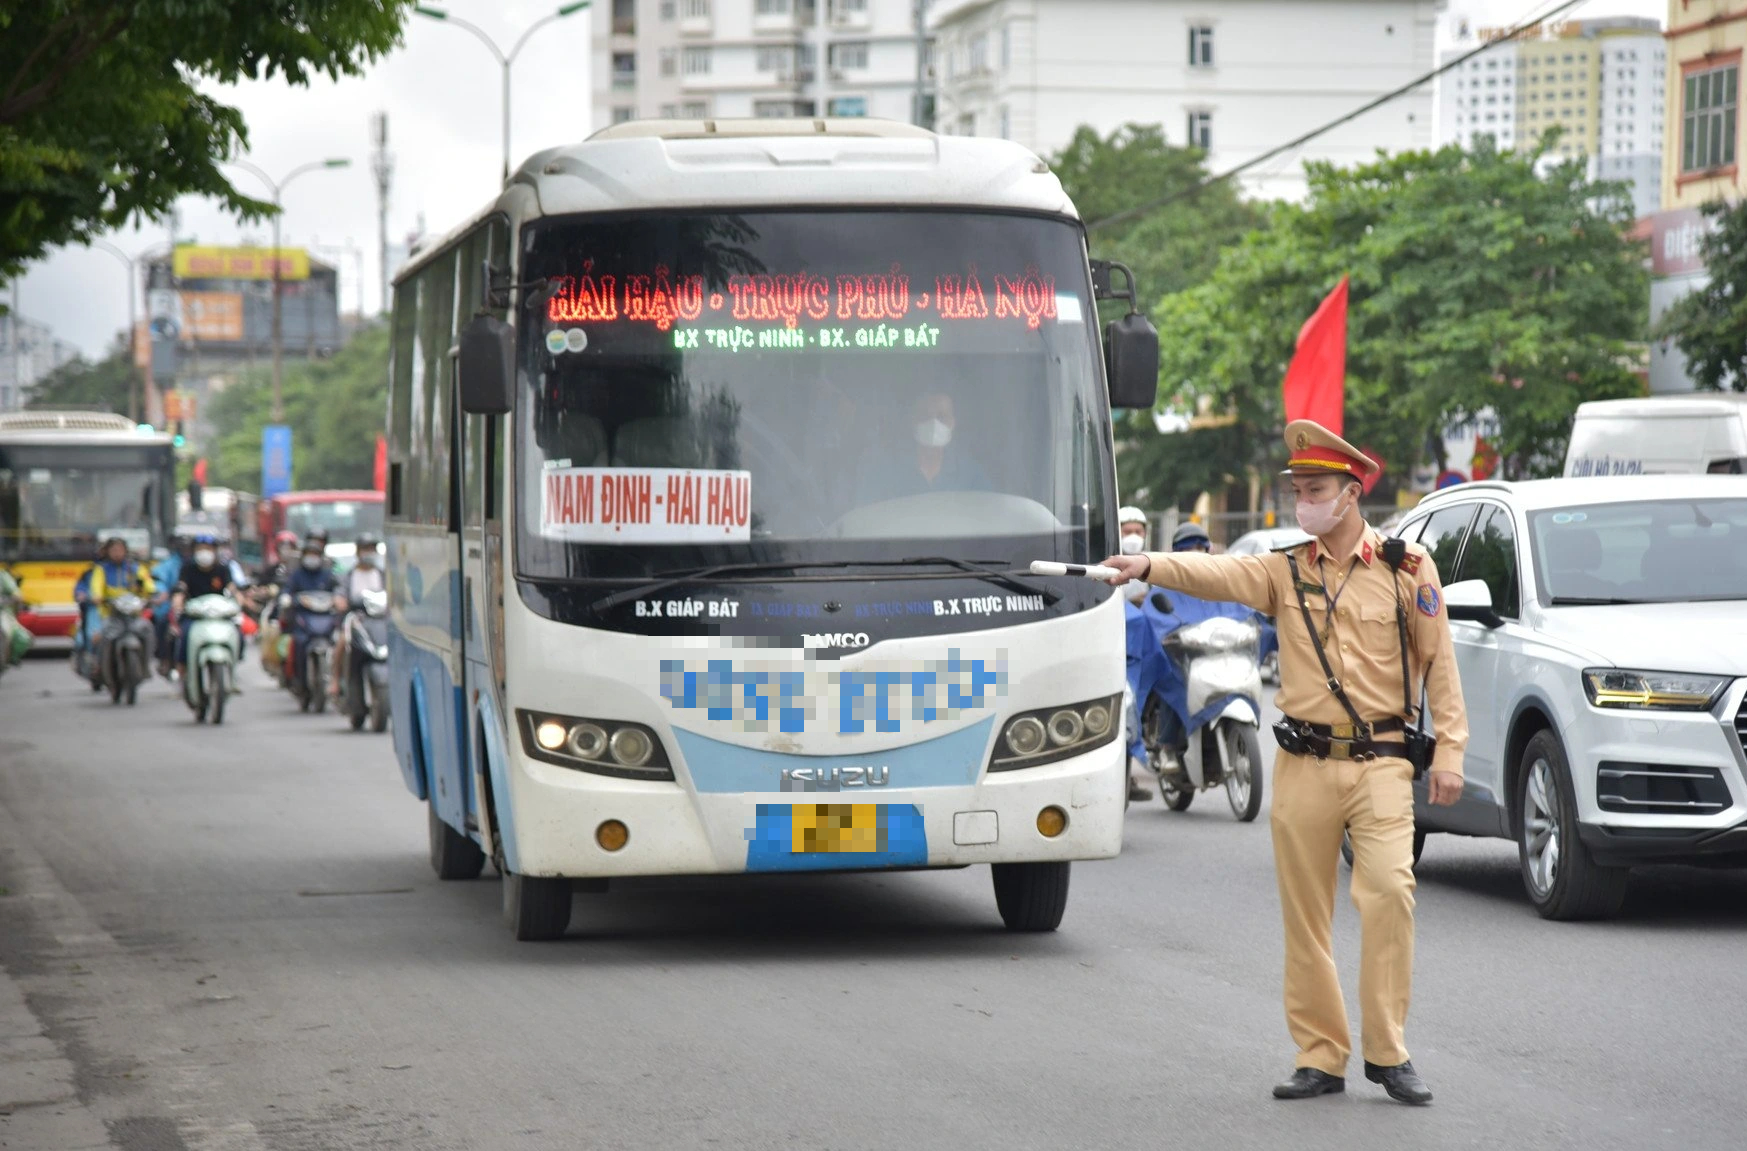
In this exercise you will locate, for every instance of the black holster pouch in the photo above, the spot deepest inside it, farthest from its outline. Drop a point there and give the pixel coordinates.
(1291, 738)
(1420, 745)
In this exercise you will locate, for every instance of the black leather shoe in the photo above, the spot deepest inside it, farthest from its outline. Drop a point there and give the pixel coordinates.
(1401, 1081)
(1308, 1083)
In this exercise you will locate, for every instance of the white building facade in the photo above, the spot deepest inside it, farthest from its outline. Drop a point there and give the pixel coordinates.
(28, 352)
(1236, 77)
(734, 58)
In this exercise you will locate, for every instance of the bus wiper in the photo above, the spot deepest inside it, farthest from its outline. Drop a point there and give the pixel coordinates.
(1587, 601)
(994, 575)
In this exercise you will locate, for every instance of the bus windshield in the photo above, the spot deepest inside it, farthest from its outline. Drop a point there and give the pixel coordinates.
(793, 387)
(343, 520)
(61, 502)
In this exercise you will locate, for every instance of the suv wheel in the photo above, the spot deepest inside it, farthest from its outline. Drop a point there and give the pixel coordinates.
(1562, 880)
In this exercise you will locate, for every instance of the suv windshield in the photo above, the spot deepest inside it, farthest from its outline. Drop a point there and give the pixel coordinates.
(782, 387)
(1653, 551)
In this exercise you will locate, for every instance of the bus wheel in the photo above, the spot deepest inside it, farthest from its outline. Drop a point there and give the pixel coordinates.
(453, 855)
(536, 907)
(1031, 896)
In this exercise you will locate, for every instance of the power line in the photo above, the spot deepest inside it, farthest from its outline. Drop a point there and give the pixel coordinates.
(1139, 210)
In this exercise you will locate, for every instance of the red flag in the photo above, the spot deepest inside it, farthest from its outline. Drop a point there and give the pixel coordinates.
(381, 463)
(1315, 387)
(1370, 481)
(200, 471)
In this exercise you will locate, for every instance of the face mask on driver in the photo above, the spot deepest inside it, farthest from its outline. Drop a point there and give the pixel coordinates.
(1318, 519)
(203, 557)
(933, 433)
(312, 563)
(1133, 544)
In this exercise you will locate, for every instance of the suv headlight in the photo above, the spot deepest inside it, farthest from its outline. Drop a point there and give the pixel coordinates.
(1032, 738)
(1660, 690)
(603, 746)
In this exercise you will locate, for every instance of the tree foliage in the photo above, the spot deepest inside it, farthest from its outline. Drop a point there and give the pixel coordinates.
(1476, 285)
(334, 407)
(102, 119)
(1710, 325)
(103, 385)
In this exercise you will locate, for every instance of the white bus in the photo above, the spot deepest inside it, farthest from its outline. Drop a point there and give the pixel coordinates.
(717, 454)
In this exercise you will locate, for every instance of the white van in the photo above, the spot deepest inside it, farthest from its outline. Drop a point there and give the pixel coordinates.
(1660, 435)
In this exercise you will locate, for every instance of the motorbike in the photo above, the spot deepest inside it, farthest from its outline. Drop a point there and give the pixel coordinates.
(1195, 672)
(315, 612)
(215, 644)
(125, 648)
(364, 679)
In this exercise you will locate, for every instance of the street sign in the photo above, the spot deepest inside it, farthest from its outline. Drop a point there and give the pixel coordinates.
(275, 460)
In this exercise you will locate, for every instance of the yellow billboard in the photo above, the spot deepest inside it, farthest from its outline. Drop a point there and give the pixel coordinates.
(195, 262)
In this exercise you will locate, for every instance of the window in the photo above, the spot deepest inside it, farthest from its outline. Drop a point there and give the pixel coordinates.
(1707, 129)
(1641, 551)
(670, 111)
(1006, 130)
(1491, 556)
(771, 8)
(848, 106)
(624, 69)
(695, 109)
(670, 61)
(623, 115)
(697, 9)
(845, 7)
(696, 61)
(1443, 534)
(779, 59)
(1006, 47)
(848, 55)
(773, 109)
(979, 52)
(967, 125)
(1201, 130)
(625, 17)
(667, 7)
(1200, 46)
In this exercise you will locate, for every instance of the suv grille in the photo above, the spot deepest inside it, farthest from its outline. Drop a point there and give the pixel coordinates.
(1741, 724)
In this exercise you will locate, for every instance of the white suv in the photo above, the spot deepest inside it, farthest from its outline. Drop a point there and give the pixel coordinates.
(1600, 628)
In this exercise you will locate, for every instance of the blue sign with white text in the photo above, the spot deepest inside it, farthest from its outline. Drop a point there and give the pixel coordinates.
(275, 460)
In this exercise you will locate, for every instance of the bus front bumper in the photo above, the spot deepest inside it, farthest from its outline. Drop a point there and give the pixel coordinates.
(555, 813)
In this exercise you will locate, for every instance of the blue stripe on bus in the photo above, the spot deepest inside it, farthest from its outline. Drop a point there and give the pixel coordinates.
(952, 760)
(771, 842)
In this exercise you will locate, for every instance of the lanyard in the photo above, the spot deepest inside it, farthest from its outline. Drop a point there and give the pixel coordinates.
(1332, 600)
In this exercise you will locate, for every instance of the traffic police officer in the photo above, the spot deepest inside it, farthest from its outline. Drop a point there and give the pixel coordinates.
(1353, 774)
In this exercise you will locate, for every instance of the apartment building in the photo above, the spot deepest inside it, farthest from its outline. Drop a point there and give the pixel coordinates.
(733, 58)
(1598, 81)
(28, 351)
(1234, 77)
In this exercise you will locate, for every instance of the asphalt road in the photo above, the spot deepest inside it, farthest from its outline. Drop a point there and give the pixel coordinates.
(231, 939)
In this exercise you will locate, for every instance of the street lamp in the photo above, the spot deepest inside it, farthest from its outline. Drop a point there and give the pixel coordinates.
(503, 60)
(133, 372)
(279, 210)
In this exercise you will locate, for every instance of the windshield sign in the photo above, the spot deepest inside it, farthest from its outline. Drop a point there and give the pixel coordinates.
(1652, 551)
(794, 386)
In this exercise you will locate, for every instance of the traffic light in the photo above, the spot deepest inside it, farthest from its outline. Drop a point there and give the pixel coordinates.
(176, 436)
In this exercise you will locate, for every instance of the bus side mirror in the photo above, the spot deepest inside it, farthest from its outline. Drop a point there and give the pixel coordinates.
(1131, 357)
(487, 364)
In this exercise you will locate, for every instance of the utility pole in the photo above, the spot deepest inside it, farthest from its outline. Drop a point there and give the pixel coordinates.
(382, 164)
(135, 390)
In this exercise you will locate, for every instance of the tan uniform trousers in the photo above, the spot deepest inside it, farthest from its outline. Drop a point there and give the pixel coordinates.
(1314, 800)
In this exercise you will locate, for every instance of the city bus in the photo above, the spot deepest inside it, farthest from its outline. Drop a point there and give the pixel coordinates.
(718, 453)
(344, 513)
(68, 481)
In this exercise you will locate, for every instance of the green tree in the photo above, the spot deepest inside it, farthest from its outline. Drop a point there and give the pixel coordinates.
(103, 385)
(1476, 285)
(102, 119)
(335, 409)
(1710, 325)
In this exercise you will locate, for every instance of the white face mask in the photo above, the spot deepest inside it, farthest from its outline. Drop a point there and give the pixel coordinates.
(366, 559)
(933, 433)
(312, 563)
(1133, 544)
(203, 557)
(1319, 519)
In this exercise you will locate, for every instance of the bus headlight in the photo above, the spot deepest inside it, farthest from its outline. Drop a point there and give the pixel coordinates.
(602, 746)
(1037, 737)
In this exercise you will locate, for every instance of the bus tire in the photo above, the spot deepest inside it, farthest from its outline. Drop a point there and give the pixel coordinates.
(1031, 896)
(453, 855)
(536, 907)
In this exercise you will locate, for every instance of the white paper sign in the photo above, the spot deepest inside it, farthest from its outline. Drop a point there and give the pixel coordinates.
(645, 505)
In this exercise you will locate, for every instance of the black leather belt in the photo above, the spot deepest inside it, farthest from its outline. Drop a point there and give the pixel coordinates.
(1340, 740)
(1349, 731)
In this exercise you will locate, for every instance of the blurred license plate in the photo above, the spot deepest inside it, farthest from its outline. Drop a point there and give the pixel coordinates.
(818, 828)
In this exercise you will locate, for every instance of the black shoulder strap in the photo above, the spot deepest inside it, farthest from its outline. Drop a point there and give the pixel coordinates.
(1408, 710)
(1334, 685)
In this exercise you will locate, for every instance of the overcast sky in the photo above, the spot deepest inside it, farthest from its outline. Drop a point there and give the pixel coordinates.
(440, 91)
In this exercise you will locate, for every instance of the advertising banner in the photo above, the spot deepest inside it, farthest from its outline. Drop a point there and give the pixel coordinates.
(275, 460)
(193, 262)
(212, 317)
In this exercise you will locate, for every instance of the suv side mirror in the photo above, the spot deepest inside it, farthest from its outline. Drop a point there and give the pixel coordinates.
(1131, 344)
(1471, 602)
(487, 365)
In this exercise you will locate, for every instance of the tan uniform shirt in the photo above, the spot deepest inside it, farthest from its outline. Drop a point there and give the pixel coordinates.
(1361, 639)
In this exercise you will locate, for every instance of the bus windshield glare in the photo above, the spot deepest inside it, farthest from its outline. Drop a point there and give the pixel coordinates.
(59, 502)
(793, 387)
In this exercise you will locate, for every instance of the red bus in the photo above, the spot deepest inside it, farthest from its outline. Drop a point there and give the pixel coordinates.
(344, 513)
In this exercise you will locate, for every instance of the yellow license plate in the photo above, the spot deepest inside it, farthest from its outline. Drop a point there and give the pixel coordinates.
(836, 827)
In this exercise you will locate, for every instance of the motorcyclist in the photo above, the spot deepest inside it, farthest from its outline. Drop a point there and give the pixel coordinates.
(1191, 537)
(313, 574)
(118, 574)
(1132, 522)
(366, 575)
(204, 575)
(165, 574)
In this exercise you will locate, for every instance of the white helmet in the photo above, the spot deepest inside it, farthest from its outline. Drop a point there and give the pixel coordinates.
(1130, 515)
